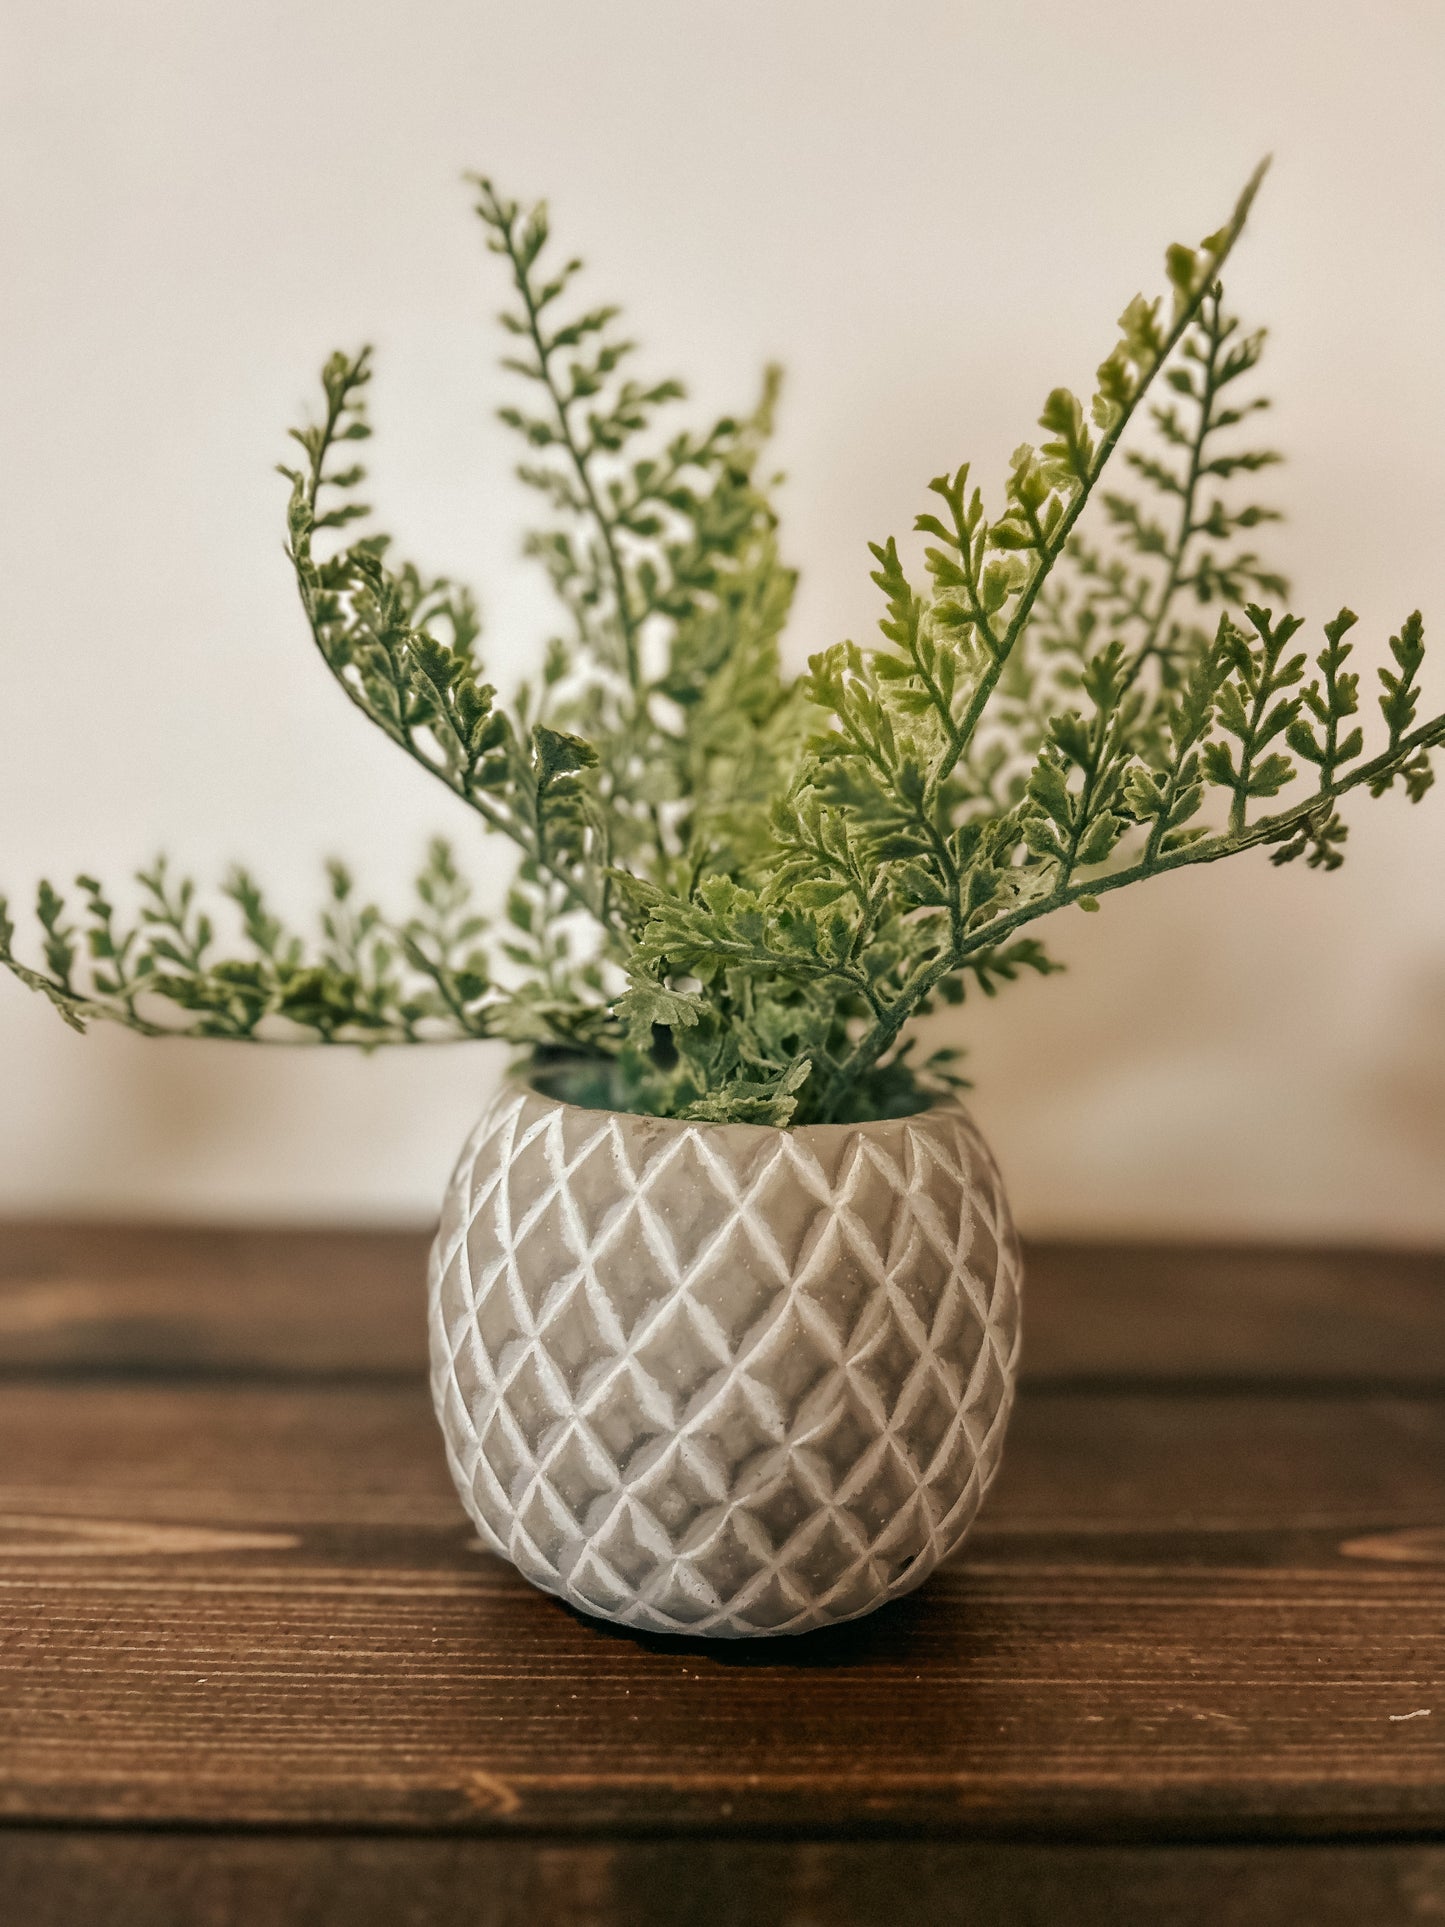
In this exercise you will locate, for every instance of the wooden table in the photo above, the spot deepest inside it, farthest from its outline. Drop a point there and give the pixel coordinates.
(254, 1667)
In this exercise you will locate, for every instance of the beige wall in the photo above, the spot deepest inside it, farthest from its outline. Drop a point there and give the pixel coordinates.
(931, 212)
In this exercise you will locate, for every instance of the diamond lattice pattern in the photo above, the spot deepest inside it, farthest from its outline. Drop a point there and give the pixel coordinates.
(723, 1379)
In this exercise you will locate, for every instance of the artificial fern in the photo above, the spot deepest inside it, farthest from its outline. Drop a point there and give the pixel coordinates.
(736, 891)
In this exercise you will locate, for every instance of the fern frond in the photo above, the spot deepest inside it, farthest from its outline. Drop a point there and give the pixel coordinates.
(735, 891)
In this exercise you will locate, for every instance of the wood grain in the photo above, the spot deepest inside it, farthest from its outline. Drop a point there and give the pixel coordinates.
(1218, 1616)
(1197, 1637)
(1262, 1315)
(196, 1302)
(115, 1880)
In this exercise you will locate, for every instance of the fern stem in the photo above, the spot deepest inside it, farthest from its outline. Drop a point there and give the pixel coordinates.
(1192, 478)
(1271, 829)
(578, 457)
(1107, 444)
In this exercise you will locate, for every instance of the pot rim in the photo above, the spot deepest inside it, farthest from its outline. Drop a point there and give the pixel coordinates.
(529, 1078)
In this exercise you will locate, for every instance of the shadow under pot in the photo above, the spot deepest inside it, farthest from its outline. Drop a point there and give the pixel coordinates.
(723, 1379)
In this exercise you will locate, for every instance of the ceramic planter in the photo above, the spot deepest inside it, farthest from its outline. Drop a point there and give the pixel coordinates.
(722, 1379)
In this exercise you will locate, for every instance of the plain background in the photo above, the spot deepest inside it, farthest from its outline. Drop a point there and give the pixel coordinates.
(931, 214)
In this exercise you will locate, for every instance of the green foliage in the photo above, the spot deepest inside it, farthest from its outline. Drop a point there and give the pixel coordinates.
(364, 979)
(735, 892)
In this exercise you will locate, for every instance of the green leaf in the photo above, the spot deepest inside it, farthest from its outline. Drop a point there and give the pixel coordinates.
(1401, 692)
(559, 753)
(645, 1003)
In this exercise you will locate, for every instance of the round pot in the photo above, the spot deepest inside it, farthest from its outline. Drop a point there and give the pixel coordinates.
(722, 1379)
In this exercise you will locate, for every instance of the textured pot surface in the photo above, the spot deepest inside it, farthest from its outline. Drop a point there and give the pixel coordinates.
(723, 1379)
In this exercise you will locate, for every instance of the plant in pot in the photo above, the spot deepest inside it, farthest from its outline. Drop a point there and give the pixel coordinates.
(725, 1298)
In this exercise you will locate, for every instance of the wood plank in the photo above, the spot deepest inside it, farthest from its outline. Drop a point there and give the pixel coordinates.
(1250, 1314)
(1213, 1616)
(199, 1300)
(295, 1303)
(372, 1456)
(119, 1880)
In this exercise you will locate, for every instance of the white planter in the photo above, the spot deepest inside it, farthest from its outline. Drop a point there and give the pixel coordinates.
(723, 1379)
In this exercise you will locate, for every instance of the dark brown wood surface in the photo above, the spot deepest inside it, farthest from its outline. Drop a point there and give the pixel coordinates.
(1195, 1645)
(81, 1878)
(328, 1303)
